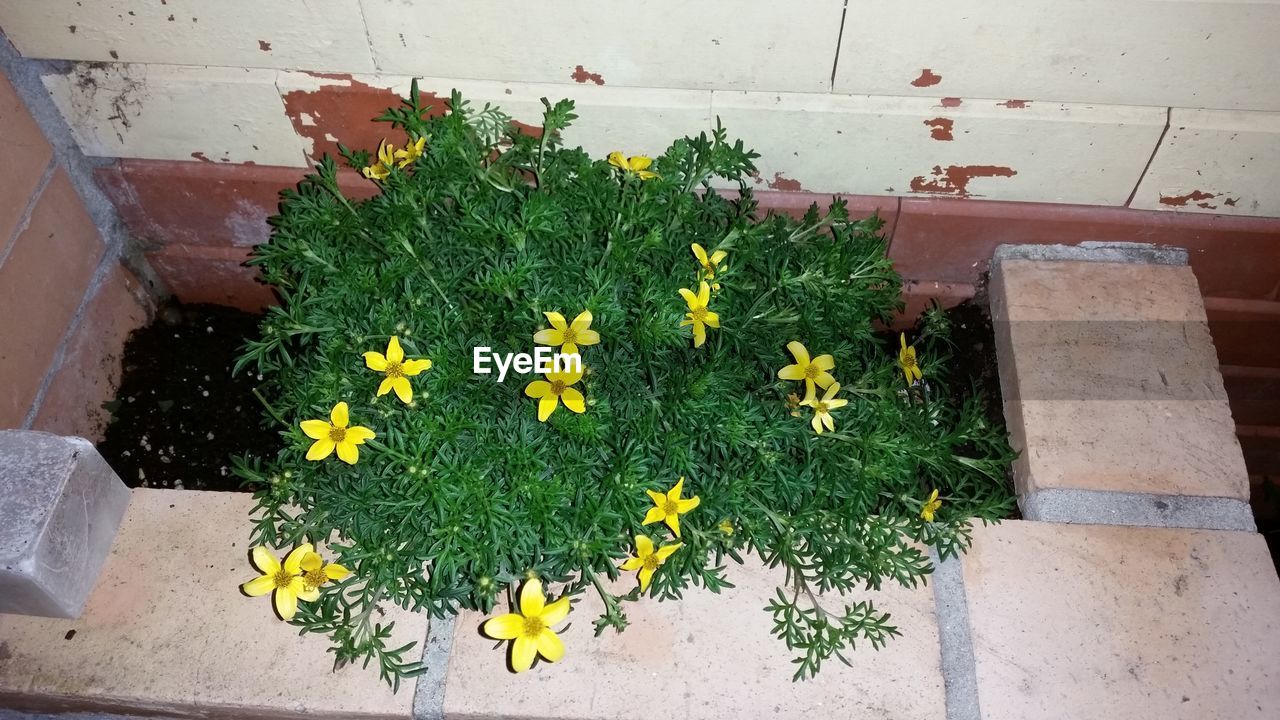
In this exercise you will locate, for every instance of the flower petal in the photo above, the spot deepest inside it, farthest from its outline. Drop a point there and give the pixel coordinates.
(569, 349)
(816, 422)
(712, 319)
(673, 522)
(676, 490)
(684, 506)
(358, 434)
(311, 561)
(266, 563)
(348, 452)
(395, 353)
(699, 334)
(546, 405)
(286, 602)
(588, 337)
(503, 627)
(413, 367)
(339, 415)
(700, 253)
(791, 372)
(385, 386)
(315, 429)
(523, 651)
(549, 646)
(836, 403)
(631, 564)
(574, 400)
(654, 515)
(618, 160)
(557, 320)
(824, 379)
(829, 421)
(293, 562)
(555, 613)
(532, 601)
(667, 551)
(311, 595)
(640, 162)
(259, 586)
(689, 298)
(320, 449)
(644, 546)
(334, 571)
(582, 322)
(550, 336)
(718, 256)
(799, 353)
(537, 388)
(403, 389)
(704, 293)
(825, 362)
(375, 361)
(646, 574)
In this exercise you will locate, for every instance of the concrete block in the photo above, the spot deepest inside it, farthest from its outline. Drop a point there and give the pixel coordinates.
(1194, 53)
(1090, 622)
(60, 506)
(661, 43)
(231, 33)
(1221, 162)
(922, 146)
(707, 656)
(42, 283)
(168, 633)
(164, 112)
(1111, 382)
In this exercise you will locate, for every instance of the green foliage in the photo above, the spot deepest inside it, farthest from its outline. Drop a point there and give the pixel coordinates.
(464, 492)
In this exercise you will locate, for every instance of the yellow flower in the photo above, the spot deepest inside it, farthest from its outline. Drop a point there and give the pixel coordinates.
(381, 169)
(286, 580)
(647, 560)
(637, 165)
(907, 360)
(699, 316)
(411, 152)
(334, 433)
(568, 336)
(316, 573)
(669, 507)
(396, 369)
(812, 372)
(554, 389)
(531, 627)
(710, 265)
(726, 527)
(822, 408)
(930, 506)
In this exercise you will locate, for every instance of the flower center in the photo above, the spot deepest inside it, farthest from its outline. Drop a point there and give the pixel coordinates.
(908, 360)
(557, 387)
(337, 434)
(652, 562)
(699, 314)
(395, 370)
(533, 627)
(812, 371)
(281, 579)
(570, 336)
(314, 578)
(671, 508)
(821, 408)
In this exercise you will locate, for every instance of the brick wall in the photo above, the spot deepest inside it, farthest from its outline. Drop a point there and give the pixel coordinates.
(68, 303)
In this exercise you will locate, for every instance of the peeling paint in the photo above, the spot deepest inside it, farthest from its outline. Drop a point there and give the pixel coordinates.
(786, 184)
(926, 79)
(951, 102)
(1199, 197)
(344, 110)
(264, 46)
(581, 75)
(940, 128)
(955, 179)
(200, 156)
(1015, 104)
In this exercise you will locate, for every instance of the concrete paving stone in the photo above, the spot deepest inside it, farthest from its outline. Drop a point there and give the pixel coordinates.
(1095, 622)
(706, 656)
(167, 632)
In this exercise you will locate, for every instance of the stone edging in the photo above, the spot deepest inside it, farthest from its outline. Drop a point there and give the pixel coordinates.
(1104, 507)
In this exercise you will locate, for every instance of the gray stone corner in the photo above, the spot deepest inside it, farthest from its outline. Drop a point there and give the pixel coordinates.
(1095, 251)
(60, 507)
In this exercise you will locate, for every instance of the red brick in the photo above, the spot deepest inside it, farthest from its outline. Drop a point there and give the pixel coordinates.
(952, 240)
(24, 155)
(918, 296)
(218, 275)
(90, 371)
(1261, 446)
(166, 202)
(797, 203)
(42, 282)
(1254, 393)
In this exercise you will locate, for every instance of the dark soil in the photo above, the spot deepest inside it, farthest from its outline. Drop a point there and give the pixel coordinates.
(180, 416)
(973, 360)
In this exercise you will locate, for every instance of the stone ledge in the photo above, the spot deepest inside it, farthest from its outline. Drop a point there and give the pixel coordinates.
(167, 632)
(1101, 507)
(1095, 251)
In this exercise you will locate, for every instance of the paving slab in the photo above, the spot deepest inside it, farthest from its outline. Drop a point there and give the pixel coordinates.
(706, 656)
(167, 632)
(1085, 622)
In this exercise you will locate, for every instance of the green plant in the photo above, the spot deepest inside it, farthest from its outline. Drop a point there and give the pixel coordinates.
(464, 491)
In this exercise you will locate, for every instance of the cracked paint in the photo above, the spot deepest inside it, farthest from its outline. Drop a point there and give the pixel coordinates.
(581, 76)
(786, 184)
(1199, 198)
(1015, 104)
(950, 102)
(927, 78)
(345, 109)
(940, 128)
(954, 180)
